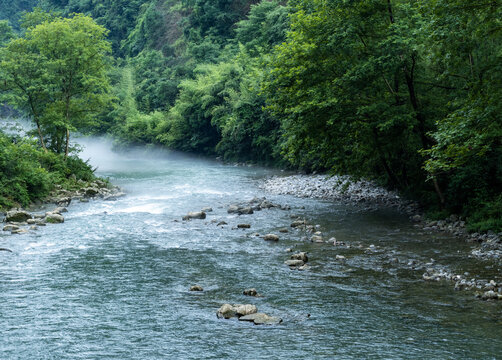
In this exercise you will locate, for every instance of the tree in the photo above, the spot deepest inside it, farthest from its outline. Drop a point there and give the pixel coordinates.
(58, 73)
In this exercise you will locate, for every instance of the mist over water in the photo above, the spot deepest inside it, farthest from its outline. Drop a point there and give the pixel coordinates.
(112, 281)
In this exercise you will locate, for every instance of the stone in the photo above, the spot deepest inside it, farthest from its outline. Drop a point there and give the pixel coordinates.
(271, 237)
(221, 223)
(17, 216)
(297, 223)
(19, 231)
(228, 311)
(207, 209)
(317, 239)
(283, 230)
(10, 227)
(54, 218)
(90, 191)
(261, 319)
(340, 257)
(416, 218)
(300, 256)
(242, 310)
(195, 215)
(233, 209)
(251, 292)
(59, 210)
(245, 211)
(489, 295)
(196, 288)
(243, 226)
(294, 263)
(303, 267)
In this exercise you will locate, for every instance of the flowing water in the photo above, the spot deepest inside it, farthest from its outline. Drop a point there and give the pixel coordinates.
(113, 281)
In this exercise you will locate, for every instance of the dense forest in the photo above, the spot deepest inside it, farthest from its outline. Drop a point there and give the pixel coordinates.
(407, 93)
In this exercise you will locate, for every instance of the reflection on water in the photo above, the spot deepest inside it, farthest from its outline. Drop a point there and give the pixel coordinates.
(113, 280)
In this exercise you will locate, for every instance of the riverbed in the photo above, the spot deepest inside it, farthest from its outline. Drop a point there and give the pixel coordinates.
(113, 281)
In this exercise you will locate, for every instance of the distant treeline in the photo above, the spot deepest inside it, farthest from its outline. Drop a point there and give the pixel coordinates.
(404, 92)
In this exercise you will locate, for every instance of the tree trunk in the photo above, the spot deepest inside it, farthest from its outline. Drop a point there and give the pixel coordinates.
(42, 142)
(67, 144)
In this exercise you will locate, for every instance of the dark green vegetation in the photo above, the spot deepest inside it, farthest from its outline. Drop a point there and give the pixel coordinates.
(27, 173)
(404, 92)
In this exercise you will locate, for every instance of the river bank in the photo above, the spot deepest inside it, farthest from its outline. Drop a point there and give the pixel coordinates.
(51, 209)
(372, 197)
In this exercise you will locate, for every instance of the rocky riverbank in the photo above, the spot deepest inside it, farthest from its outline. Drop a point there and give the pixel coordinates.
(50, 211)
(338, 188)
(344, 189)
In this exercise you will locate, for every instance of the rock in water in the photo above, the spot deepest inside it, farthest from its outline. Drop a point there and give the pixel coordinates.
(10, 227)
(271, 237)
(54, 218)
(244, 226)
(17, 216)
(261, 319)
(228, 311)
(251, 292)
(300, 256)
(195, 215)
(196, 288)
(294, 263)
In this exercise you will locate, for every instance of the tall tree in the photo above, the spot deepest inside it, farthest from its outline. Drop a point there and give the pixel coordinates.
(58, 72)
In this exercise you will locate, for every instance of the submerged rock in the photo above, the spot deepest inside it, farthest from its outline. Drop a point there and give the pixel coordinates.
(251, 292)
(294, 263)
(196, 288)
(300, 256)
(10, 227)
(261, 319)
(271, 237)
(243, 226)
(195, 215)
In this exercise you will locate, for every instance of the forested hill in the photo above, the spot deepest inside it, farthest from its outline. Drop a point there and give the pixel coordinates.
(404, 92)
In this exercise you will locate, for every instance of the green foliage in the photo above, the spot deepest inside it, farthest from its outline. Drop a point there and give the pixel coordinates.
(12, 10)
(27, 173)
(57, 73)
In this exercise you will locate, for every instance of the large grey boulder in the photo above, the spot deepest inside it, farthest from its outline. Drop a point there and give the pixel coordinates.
(17, 216)
(10, 227)
(300, 256)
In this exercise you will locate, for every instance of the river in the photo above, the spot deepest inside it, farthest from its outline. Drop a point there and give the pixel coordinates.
(113, 281)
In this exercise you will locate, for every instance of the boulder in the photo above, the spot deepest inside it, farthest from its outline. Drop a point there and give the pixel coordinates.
(271, 237)
(59, 210)
(228, 311)
(300, 256)
(19, 231)
(90, 191)
(63, 201)
(261, 319)
(10, 227)
(283, 230)
(221, 223)
(251, 292)
(196, 288)
(317, 239)
(245, 211)
(233, 209)
(195, 215)
(294, 263)
(53, 218)
(297, 223)
(207, 209)
(17, 216)
(243, 226)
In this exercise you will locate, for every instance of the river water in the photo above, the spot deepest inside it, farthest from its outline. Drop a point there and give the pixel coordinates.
(113, 281)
